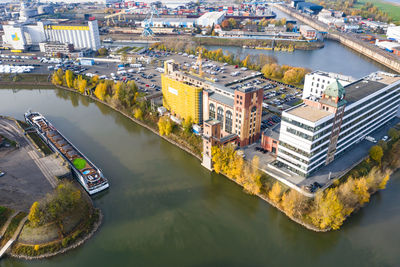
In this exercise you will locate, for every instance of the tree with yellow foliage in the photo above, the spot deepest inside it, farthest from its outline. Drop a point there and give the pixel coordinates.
(328, 211)
(69, 78)
(100, 91)
(82, 84)
(275, 193)
(165, 126)
(34, 214)
(361, 190)
(295, 204)
(58, 77)
(138, 113)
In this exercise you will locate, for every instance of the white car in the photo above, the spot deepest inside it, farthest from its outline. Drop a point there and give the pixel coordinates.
(385, 138)
(2, 173)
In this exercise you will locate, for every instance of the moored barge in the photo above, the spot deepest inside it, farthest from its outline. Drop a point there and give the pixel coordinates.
(88, 175)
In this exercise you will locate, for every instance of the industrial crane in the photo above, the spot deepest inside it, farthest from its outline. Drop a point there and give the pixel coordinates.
(121, 14)
(148, 22)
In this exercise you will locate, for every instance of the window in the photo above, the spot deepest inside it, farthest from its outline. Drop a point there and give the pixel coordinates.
(212, 111)
(228, 122)
(220, 114)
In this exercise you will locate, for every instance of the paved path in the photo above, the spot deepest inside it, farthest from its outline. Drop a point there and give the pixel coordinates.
(15, 236)
(3, 231)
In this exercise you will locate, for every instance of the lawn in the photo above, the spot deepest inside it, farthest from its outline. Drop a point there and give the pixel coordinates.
(391, 9)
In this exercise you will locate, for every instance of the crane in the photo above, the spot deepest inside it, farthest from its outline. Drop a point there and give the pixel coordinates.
(199, 63)
(121, 14)
(148, 22)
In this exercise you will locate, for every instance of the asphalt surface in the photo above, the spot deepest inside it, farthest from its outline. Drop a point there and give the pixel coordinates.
(24, 182)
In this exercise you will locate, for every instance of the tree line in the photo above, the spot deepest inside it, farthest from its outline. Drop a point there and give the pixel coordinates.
(330, 207)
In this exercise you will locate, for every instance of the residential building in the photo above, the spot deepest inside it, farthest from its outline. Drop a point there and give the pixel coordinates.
(316, 82)
(315, 133)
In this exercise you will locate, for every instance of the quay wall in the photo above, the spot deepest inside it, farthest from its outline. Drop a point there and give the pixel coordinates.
(370, 51)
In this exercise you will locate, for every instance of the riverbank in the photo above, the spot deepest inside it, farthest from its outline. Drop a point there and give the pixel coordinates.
(25, 81)
(57, 237)
(389, 60)
(312, 216)
(282, 45)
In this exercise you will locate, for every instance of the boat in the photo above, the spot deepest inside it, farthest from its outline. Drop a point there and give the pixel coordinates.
(88, 175)
(108, 40)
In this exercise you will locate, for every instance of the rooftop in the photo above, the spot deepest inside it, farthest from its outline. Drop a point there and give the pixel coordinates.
(212, 121)
(368, 85)
(273, 132)
(309, 113)
(222, 99)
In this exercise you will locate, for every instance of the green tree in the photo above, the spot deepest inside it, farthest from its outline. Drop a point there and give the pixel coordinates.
(393, 134)
(376, 153)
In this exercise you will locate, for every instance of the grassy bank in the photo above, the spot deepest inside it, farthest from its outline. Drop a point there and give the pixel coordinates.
(61, 221)
(36, 139)
(257, 43)
(5, 213)
(25, 81)
(12, 227)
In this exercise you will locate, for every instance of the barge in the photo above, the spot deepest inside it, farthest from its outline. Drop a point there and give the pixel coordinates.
(89, 176)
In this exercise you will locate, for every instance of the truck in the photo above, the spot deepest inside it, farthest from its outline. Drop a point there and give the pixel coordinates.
(87, 62)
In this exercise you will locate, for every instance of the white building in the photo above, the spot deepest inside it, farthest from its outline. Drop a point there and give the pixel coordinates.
(23, 35)
(387, 45)
(393, 33)
(316, 82)
(104, 2)
(313, 134)
(172, 22)
(211, 18)
(308, 32)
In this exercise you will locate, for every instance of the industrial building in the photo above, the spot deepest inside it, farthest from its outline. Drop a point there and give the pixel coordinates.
(393, 33)
(238, 111)
(316, 82)
(308, 32)
(172, 23)
(183, 99)
(309, 8)
(211, 18)
(313, 134)
(28, 36)
(56, 49)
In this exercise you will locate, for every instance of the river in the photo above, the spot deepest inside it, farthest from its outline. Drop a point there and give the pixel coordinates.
(164, 209)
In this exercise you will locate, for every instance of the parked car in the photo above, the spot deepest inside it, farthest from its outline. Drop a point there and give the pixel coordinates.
(2, 173)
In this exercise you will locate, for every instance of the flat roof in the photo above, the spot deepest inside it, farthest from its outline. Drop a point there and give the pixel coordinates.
(273, 132)
(309, 113)
(222, 99)
(370, 84)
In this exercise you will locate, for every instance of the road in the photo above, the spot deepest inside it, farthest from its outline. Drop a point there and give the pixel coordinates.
(27, 178)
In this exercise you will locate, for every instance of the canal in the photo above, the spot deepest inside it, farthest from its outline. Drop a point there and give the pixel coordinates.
(165, 209)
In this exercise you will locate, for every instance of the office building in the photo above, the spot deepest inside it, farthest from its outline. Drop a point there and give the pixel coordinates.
(56, 49)
(315, 133)
(316, 82)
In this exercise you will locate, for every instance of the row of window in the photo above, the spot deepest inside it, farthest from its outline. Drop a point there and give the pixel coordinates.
(220, 117)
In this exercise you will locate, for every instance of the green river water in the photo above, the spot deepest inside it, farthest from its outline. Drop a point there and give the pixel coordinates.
(164, 209)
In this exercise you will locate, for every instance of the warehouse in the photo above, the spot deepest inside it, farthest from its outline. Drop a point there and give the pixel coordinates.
(211, 18)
